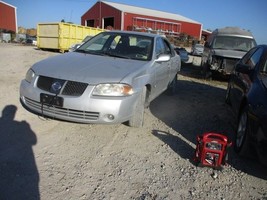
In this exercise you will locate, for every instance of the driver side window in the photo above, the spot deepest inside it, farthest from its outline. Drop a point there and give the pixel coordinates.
(159, 46)
(167, 48)
(162, 47)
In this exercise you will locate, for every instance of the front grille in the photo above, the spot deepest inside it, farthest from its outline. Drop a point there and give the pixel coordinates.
(71, 88)
(229, 65)
(62, 113)
(74, 88)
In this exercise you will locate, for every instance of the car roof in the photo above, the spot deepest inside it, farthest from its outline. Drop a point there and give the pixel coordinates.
(233, 31)
(136, 33)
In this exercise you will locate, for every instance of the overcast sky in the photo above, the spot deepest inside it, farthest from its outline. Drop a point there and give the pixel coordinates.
(247, 14)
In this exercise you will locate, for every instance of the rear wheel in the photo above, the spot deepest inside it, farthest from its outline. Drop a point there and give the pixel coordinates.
(241, 137)
(137, 119)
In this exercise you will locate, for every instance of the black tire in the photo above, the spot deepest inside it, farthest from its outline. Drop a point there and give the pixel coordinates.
(137, 119)
(172, 87)
(241, 144)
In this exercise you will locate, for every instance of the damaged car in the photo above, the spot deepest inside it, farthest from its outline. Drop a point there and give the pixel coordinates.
(224, 47)
(109, 79)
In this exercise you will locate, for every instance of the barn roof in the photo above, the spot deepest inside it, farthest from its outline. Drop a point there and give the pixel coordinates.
(149, 12)
(8, 4)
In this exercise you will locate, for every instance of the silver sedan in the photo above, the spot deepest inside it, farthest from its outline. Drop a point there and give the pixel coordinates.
(111, 78)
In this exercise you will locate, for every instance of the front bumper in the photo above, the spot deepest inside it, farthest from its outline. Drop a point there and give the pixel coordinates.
(223, 65)
(82, 109)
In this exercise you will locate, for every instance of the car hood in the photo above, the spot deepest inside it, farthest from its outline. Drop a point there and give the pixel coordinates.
(88, 68)
(229, 53)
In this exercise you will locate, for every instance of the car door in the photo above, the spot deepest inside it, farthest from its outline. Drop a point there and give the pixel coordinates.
(244, 81)
(174, 60)
(161, 69)
(258, 97)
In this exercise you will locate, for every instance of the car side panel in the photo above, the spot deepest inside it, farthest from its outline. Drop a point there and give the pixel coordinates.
(161, 74)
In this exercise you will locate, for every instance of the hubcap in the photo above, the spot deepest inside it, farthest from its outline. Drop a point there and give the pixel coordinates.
(241, 131)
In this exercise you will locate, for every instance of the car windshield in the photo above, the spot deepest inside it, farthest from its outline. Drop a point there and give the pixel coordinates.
(233, 43)
(123, 45)
(88, 37)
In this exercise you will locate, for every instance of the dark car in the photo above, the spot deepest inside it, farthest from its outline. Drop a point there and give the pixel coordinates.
(31, 41)
(247, 95)
(182, 53)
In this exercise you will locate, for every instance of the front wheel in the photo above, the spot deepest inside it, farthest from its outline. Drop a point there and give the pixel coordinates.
(206, 71)
(172, 87)
(137, 119)
(241, 136)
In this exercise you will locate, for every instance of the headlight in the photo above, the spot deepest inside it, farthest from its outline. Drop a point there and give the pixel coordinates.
(113, 89)
(29, 75)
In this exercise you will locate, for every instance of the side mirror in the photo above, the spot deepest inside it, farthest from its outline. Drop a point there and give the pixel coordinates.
(163, 58)
(242, 68)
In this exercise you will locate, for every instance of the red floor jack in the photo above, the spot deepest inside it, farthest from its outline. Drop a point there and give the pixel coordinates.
(212, 150)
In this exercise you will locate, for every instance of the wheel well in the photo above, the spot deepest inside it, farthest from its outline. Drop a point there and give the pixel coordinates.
(148, 92)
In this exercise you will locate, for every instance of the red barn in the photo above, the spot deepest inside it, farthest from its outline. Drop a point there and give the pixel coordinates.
(118, 16)
(8, 17)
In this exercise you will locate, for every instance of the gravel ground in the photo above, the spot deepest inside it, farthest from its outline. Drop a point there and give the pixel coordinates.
(49, 159)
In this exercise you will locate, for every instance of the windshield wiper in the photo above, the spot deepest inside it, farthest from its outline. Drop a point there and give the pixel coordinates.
(102, 53)
(115, 55)
(90, 52)
(80, 51)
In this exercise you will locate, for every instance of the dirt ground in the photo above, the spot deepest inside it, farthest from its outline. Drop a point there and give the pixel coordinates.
(49, 159)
